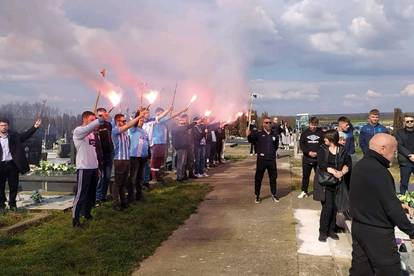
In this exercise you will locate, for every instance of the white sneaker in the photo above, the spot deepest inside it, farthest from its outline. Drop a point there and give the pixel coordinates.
(198, 175)
(302, 195)
(205, 175)
(275, 199)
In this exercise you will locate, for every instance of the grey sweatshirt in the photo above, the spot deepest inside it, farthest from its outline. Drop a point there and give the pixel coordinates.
(84, 140)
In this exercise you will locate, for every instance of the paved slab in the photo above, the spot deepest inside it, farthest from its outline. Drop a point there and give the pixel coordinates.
(230, 235)
(50, 202)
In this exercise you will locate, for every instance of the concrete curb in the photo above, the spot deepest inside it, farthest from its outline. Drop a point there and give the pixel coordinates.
(21, 226)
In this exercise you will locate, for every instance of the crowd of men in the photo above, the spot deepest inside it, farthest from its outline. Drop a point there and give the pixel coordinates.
(368, 191)
(137, 150)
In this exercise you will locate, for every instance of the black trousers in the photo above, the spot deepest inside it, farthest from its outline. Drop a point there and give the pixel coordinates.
(10, 174)
(307, 166)
(213, 152)
(190, 161)
(374, 251)
(84, 201)
(261, 166)
(252, 148)
(136, 178)
(327, 221)
(121, 182)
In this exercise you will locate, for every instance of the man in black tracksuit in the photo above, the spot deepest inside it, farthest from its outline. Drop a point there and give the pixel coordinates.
(376, 210)
(309, 142)
(266, 145)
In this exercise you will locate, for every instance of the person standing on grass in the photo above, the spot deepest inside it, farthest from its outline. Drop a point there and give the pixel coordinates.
(86, 165)
(107, 150)
(139, 153)
(122, 158)
(199, 138)
(309, 142)
(266, 144)
(405, 139)
(12, 160)
(376, 211)
(181, 142)
(370, 129)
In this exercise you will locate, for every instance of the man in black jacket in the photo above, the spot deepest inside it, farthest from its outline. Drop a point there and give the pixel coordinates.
(13, 160)
(106, 160)
(266, 145)
(405, 139)
(309, 142)
(376, 210)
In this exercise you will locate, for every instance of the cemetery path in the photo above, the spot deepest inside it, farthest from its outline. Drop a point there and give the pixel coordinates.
(231, 235)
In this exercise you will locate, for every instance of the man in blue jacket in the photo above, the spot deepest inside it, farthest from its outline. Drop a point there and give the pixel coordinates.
(369, 130)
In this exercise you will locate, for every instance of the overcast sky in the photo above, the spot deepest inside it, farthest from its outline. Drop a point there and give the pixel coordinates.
(321, 56)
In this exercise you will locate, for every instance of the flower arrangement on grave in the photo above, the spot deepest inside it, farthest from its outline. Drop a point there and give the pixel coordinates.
(49, 168)
(36, 196)
(407, 198)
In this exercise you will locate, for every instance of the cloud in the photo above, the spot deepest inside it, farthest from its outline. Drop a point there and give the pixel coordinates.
(285, 91)
(351, 97)
(371, 94)
(408, 90)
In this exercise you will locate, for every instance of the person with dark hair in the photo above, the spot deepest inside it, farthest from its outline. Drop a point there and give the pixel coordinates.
(181, 143)
(12, 160)
(107, 151)
(376, 211)
(345, 126)
(334, 162)
(405, 139)
(139, 154)
(252, 128)
(122, 158)
(86, 166)
(200, 137)
(309, 142)
(266, 144)
(370, 129)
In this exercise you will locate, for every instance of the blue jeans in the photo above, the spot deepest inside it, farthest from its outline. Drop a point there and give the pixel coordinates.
(200, 157)
(405, 173)
(147, 172)
(104, 179)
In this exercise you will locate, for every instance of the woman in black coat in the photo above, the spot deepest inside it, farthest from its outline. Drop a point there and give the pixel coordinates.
(333, 163)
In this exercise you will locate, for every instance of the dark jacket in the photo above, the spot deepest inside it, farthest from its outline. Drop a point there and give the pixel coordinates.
(180, 137)
(405, 139)
(16, 148)
(342, 159)
(350, 140)
(367, 132)
(199, 135)
(266, 144)
(310, 141)
(372, 197)
(105, 137)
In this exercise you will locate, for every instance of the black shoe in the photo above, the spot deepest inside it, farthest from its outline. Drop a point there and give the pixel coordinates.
(76, 223)
(322, 237)
(192, 176)
(89, 217)
(333, 236)
(257, 199)
(275, 199)
(13, 208)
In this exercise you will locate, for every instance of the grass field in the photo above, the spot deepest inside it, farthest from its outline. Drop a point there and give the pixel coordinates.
(8, 218)
(112, 244)
(239, 152)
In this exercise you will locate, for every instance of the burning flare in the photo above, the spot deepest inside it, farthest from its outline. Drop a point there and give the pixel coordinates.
(239, 114)
(193, 98)
(151, 96)
(207, 113)
(114, 97)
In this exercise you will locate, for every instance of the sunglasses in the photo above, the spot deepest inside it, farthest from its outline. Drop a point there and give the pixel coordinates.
(409, 121)
(267, 123)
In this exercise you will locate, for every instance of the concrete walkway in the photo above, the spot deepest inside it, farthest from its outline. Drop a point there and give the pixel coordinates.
(231, 235)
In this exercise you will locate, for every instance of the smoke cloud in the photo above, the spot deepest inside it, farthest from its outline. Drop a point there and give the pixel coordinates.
(198, 46)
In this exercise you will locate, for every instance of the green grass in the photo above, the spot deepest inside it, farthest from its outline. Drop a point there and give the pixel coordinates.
(8, 218)
(237, 153)
(112, 244)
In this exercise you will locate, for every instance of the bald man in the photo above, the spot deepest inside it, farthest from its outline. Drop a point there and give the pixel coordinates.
(375, 211)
